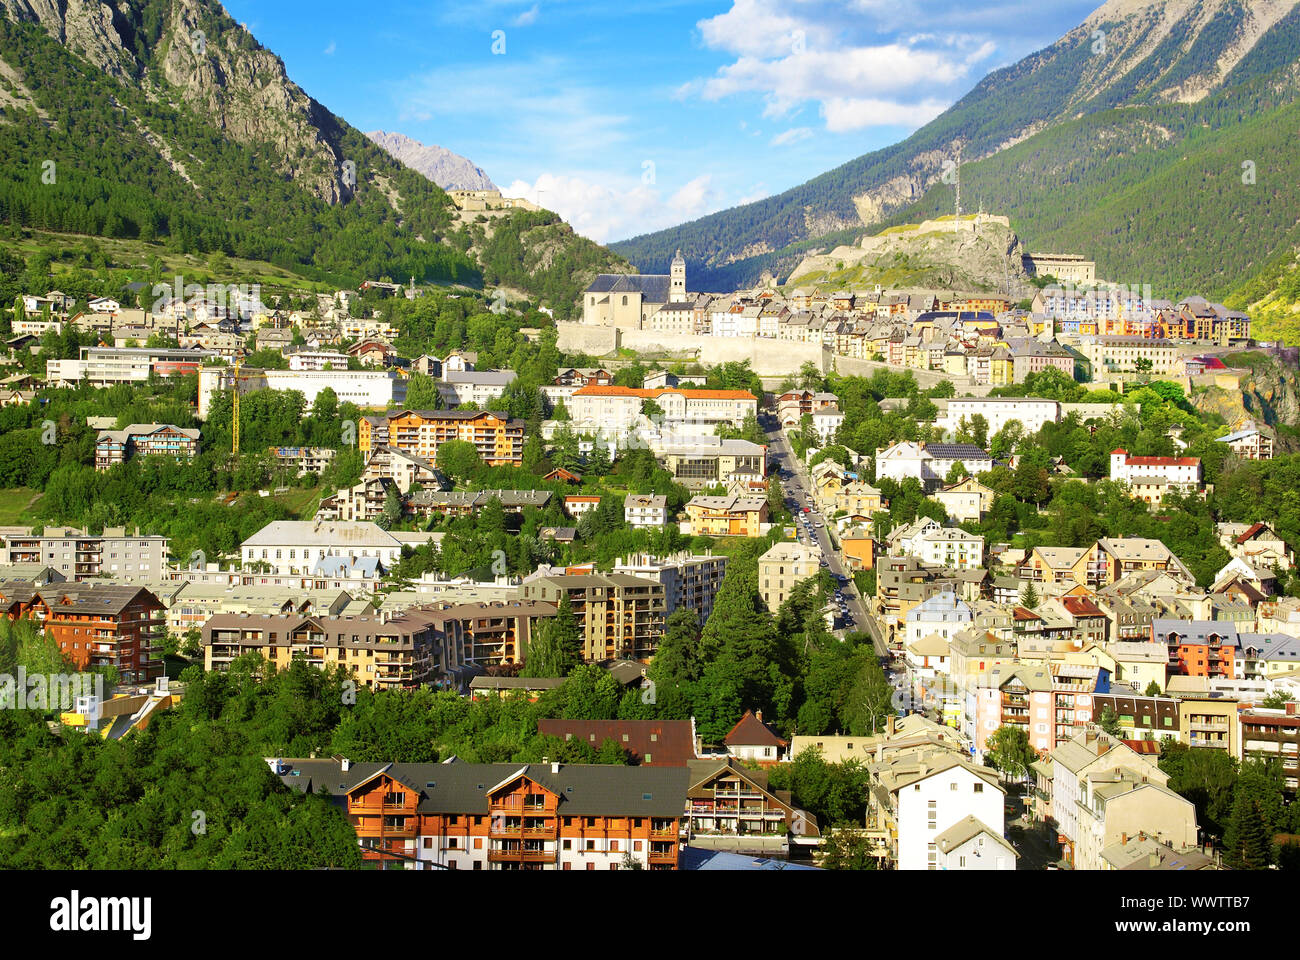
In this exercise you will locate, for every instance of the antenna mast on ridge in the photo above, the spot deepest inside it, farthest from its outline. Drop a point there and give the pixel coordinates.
(957, 219)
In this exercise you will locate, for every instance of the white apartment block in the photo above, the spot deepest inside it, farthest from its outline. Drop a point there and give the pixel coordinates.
(1032, 412)
(1181, 472)
(479, 388)
(365, 388)
(946, 546)
(645, 510)
(293, 547)
(931, 789)
(318, 360)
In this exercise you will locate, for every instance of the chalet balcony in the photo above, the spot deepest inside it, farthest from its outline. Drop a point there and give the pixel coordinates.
(521, 856)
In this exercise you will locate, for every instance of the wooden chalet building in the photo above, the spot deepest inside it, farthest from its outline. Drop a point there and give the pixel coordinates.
(504, 816)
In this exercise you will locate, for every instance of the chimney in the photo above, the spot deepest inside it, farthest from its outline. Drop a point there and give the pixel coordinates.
(758, 715)
(892, 726)
(1153, 860)
(555, 767)
(1123, 839)
(345, 764)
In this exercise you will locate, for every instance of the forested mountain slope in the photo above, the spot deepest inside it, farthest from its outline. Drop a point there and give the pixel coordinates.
(165, 121)
(1162, 59)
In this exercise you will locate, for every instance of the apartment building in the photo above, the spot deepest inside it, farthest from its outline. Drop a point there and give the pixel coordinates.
(1209, 720)
(727, 800)
(190, 605)
(107, 366)
(464, 503)
(498, 632)
(616, 408)
(645, 510)
(689, 580)
(300, 547)
(309, 359)
(1120, 803)
(505, 816)
(651, 743)
(80, 556)
(406, 652)
(1031, 412)
(710, 461)
(304, 460)
(498, 439)
(620, 617)
(793, 406)
(966, 500)
(1256, 544)
(1274, 734)
(945, 546)
(1152, 477)
(730, 516)
(362, 502)
(1200, 648)
(783, 568)
(99, 625)
(918, 791)
(405, 469)
(145, 440)
(479, 387)
(930, 463)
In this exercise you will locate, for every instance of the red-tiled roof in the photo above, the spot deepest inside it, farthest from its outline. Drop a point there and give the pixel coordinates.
(1143, 746)
(1250, 534)
(609, 391)
(1081, 607)
(668, 743)
(751, 731)
(1020, 613)
(1162, 461)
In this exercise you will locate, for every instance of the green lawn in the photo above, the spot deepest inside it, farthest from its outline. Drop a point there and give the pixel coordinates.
(301, 501)
(16, 505)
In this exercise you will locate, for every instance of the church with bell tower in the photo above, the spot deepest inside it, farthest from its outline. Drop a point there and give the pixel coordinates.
(629, 300)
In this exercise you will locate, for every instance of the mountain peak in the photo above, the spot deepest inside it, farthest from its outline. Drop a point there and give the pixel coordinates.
(448, 170)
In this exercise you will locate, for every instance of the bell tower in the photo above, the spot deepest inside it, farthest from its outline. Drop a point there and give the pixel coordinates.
(677, 287)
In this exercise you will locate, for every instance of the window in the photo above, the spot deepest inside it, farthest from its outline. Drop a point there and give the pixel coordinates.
(979, 788)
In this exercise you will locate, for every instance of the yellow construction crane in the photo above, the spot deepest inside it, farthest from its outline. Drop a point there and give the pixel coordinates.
(234, 450)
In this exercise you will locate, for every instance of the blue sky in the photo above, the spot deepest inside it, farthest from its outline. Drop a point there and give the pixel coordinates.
(626, 117)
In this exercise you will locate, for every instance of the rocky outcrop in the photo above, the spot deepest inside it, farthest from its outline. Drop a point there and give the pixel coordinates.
(213, 66)
(448, 170)
(84, 26)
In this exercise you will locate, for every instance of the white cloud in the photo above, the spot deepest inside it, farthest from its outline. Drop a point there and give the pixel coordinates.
(793, 135)
(528, 17)
(849, 113)
(758, 28)
(859, 76)
(329, 51)
(603, 212)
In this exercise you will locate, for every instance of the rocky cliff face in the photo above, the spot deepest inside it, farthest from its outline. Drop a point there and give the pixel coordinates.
(213, 66)
(448, 170)
(982, 256)
(1270, 390)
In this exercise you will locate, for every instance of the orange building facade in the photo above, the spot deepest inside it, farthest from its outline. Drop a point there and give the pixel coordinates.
(100, 626)
(461, 816)
(499, 440)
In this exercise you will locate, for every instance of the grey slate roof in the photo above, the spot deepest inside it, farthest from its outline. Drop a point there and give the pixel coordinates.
(585, 790)
(652, 287)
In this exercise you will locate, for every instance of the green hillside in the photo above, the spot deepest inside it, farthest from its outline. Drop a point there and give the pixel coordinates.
(229, 157)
